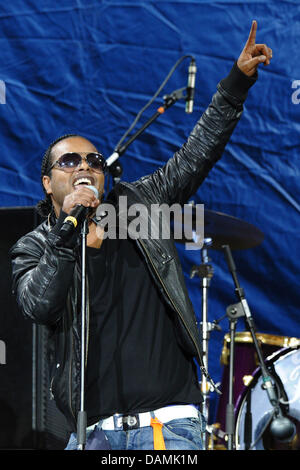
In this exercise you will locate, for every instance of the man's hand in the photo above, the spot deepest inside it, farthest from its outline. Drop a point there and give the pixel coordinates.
(253, 54)
(81, 195)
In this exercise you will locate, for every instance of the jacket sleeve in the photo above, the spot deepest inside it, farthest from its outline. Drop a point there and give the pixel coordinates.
(184, 173)
(42, 273)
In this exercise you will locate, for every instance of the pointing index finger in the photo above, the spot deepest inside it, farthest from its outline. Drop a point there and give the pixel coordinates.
(252, 35)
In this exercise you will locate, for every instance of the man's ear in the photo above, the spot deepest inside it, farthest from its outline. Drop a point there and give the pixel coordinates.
(47, 184)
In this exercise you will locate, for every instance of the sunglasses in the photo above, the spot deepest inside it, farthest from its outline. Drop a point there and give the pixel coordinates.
(70, 161)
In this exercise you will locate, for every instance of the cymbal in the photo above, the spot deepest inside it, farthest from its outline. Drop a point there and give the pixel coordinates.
(225, 229)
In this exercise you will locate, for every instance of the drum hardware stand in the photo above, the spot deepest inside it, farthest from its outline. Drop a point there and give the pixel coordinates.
(205, 271)
(215, 433)
(281, 427)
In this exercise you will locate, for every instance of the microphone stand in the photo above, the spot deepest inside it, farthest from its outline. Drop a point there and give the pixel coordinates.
(233, 314)
(114, 167)
(82, 417)
(241, 309)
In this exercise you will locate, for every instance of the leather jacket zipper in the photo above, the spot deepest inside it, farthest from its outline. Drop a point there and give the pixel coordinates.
(70, 364)
(70, 374)
(202, 366)
(71, 355)
(50, 389)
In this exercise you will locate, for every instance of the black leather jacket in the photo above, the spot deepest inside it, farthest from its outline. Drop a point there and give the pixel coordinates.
(46, 277)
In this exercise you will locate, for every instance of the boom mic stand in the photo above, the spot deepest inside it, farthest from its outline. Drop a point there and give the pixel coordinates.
(281, 427)
(114, 166)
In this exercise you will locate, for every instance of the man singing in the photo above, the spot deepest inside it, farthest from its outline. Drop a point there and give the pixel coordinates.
(142, 389)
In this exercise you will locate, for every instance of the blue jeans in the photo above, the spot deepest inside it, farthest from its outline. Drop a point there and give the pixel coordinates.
(179, 434)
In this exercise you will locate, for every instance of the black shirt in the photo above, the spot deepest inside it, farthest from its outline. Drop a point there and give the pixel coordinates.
(134, 361)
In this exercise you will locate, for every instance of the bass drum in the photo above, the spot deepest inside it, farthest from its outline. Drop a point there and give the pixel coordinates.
(254, 411)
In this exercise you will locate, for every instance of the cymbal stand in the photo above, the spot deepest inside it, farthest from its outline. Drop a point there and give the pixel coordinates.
(204, 271)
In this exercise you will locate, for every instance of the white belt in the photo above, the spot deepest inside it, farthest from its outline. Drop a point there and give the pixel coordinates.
(139, 420)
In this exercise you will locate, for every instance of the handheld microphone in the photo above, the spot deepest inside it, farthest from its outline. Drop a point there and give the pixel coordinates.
(77, 215)
(191, 87)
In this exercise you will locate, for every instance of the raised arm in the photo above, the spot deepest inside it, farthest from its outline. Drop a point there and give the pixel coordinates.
(184, 173)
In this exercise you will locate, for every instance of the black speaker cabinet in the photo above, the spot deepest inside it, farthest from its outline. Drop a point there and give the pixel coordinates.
(29, 418)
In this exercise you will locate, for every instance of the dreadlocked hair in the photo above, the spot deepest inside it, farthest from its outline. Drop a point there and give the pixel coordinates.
(44, 207)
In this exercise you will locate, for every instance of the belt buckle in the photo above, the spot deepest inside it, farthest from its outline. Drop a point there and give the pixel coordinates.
(131, 422)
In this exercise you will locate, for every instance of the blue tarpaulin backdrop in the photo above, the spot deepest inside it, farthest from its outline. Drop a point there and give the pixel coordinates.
(89, 66)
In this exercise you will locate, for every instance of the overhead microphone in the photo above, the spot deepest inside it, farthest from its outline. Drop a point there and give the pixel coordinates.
(76, 216)
(282, 428)
(191, 86)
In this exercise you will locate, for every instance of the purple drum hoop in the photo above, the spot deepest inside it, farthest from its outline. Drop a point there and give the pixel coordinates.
(273, 359)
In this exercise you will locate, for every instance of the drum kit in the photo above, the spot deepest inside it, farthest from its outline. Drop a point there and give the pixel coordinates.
(259, 398)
